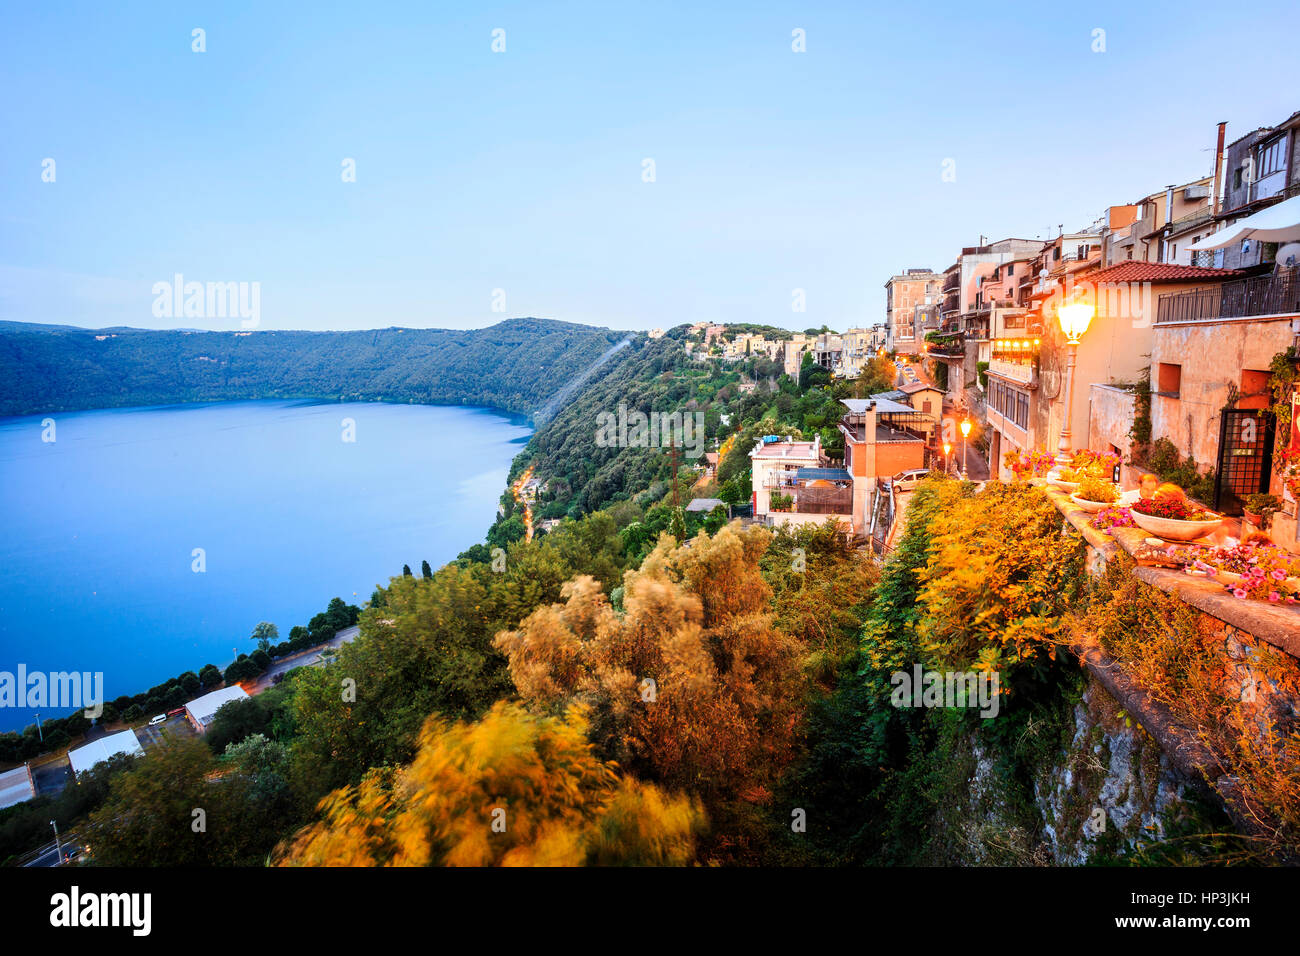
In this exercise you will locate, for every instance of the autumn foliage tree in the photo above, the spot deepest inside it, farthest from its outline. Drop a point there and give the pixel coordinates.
(511, 789)
(428, 649)
(691, 685)
(989, 598)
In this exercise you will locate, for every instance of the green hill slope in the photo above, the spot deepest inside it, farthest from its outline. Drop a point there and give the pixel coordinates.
(518, 365)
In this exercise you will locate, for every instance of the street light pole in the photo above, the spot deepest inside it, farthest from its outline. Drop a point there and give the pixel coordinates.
(57, 845)
(1063, 456)
(1074, 318)
(965, 433)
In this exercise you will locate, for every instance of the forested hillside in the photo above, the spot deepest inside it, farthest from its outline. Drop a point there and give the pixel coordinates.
(515, 365)
(657, 376)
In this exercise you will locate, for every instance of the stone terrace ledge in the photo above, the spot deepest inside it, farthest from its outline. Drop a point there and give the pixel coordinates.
(1276, 624)
(1262, 622)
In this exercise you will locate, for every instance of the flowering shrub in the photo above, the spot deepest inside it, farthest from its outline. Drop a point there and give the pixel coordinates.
(1114, 517)
(1175, 509)
(1036, 463)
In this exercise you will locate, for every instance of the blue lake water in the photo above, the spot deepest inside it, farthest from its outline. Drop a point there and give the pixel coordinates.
(99, 526)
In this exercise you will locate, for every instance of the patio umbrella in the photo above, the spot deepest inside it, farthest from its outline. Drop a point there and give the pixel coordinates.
(1280, 223)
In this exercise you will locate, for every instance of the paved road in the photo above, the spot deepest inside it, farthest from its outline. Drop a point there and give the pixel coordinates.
(49, 855)
(305, 658)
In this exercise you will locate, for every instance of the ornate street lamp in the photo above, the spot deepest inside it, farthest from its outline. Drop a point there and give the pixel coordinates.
(947, 449)
(1074, 318)
(965, 433)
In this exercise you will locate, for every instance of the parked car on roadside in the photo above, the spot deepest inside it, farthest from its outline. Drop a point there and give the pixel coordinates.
(909, 479)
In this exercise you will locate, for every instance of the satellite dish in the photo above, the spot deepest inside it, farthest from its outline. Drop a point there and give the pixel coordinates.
(1290, 250)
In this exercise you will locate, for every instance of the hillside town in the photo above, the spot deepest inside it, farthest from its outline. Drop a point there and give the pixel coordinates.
(1182, 370)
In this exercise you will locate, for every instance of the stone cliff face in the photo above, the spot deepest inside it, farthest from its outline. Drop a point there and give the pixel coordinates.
(1113, 790)
(1105, 791)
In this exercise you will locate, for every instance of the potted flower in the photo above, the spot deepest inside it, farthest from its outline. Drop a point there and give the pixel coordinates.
(1100, 464)
(1094, 493)
(1263, 571)
(1034, 464)
(1173, 518)
(1286, 462)
(1260, 509)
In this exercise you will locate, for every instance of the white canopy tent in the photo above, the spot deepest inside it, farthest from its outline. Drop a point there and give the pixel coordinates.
(1280, 223)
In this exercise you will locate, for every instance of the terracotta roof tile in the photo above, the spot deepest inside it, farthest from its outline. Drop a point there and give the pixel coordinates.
(1160, 272)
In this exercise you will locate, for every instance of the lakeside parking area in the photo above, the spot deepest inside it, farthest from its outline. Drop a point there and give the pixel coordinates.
(51, 772)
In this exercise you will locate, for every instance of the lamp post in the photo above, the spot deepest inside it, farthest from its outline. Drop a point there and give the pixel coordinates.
(947, 449)
(965, 433)
(1074, 318)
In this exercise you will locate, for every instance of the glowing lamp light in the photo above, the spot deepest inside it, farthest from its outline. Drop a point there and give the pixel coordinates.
(947, 447)
(965, 428)
(1074, 318)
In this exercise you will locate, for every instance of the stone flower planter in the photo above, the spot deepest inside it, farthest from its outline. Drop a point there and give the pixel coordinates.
(1069, 487)
(1172, 530)
(1092, 507)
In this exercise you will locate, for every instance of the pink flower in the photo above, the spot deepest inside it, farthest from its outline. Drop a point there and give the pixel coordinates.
(1279, 576)
(1239, 593)
(1273, 596)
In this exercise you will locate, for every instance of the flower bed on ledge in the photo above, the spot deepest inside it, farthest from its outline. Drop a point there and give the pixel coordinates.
(1275, 622)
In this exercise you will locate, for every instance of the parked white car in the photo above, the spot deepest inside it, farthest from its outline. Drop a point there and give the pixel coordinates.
(908, 480)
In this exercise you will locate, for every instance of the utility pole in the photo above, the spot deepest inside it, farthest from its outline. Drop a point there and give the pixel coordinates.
(57, 844)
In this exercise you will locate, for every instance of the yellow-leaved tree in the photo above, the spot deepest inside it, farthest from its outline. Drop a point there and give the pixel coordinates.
(691, 684)
(512, 789)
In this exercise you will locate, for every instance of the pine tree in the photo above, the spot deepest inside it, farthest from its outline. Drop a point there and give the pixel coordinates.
(426, 570)
(406, 571)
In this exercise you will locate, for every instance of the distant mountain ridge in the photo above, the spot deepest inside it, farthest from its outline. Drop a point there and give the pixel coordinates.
(519, 365)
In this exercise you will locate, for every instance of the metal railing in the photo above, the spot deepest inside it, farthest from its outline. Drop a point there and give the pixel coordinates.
(1275, 294)
(952, 345)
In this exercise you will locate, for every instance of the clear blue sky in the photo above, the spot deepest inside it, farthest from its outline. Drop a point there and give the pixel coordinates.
(523, 170)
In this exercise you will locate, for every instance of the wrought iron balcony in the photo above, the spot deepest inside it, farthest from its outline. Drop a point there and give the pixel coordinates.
(1277, 294)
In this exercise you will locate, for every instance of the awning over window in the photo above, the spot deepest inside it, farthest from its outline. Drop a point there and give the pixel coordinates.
(825, 474)
(1280, 223)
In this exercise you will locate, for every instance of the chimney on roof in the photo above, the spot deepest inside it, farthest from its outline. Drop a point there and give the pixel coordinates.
(1218, 167)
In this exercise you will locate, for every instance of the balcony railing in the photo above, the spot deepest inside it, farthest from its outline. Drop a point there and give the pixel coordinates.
(1276, 294)
(1022, 372)
(950, 347)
